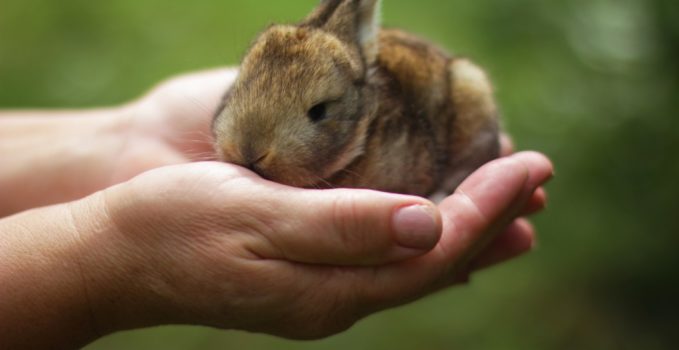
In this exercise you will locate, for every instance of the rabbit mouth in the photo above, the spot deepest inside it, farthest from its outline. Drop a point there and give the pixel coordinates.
(288, 175)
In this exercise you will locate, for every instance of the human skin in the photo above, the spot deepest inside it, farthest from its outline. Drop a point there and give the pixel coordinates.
(149, 238)
(85, 151)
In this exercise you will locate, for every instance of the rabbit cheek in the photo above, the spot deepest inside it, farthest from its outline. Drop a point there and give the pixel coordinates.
(303, 161)
(351, 150)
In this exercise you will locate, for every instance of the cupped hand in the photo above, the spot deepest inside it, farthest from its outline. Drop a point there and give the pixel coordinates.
(171, 124)
(214, 244)
(219, 246)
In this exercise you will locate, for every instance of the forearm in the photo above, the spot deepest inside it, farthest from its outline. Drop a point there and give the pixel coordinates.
(54, 157)
(68, 276)
(49, 157)
(43, 302)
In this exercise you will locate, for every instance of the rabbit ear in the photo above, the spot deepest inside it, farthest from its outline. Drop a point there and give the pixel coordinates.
(369, 21)
(354, 21)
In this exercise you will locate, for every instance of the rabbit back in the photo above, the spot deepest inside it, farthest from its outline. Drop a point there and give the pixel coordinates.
(436, 120)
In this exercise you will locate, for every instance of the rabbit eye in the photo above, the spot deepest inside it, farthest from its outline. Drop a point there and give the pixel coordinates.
(318, 112)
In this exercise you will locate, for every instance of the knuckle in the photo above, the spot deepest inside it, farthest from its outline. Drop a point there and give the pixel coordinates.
(350, 231)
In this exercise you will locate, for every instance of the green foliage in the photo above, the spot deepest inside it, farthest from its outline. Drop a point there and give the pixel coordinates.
(593, 83)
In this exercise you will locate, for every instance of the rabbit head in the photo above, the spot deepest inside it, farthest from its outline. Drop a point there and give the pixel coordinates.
(301, 106)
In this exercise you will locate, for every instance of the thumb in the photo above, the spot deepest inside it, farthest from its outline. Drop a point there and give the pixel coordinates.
(353, 227)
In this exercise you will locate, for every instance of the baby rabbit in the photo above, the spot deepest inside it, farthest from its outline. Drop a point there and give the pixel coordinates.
(336, 101)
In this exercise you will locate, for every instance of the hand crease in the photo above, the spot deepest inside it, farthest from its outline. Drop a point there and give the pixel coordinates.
(460, 264)
(81, 272)
(466, 198)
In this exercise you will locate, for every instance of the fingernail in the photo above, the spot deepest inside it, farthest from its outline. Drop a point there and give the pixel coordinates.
(416, 227)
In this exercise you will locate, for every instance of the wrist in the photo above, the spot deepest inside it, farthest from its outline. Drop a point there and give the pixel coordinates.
(113, 267)
(124, 263)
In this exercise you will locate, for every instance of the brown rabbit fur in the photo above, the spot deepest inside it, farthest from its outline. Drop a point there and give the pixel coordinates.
(338, 102)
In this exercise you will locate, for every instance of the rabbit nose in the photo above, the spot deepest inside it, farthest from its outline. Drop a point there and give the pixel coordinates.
(255, 165)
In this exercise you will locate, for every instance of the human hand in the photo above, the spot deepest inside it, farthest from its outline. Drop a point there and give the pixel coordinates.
(171, 123)
(213, 244)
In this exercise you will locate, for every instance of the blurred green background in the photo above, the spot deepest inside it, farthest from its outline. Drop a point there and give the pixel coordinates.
(593, 83)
